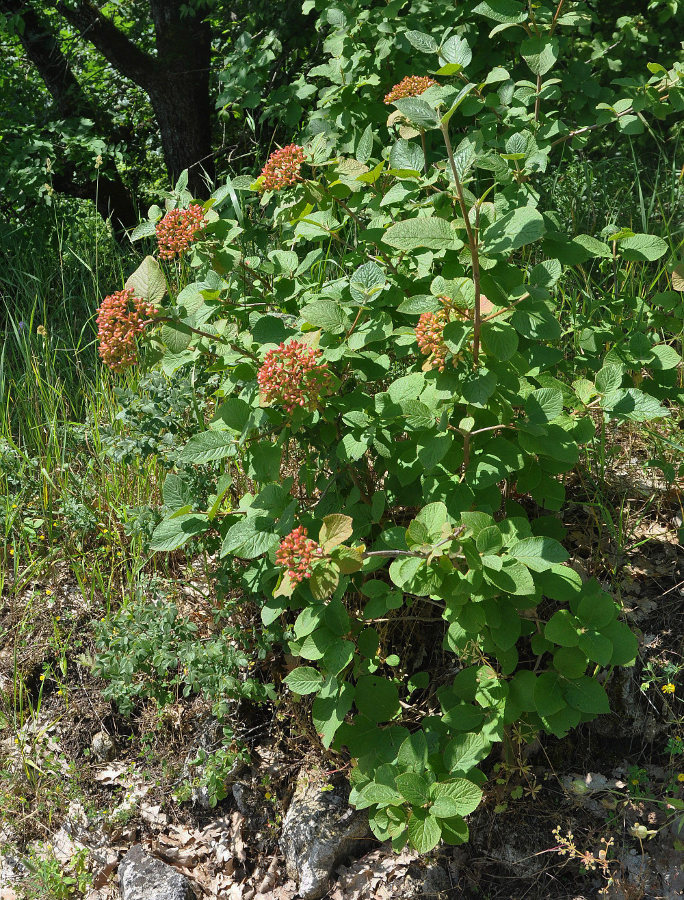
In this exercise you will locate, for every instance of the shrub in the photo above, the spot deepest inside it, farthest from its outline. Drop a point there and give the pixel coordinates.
(366, 486)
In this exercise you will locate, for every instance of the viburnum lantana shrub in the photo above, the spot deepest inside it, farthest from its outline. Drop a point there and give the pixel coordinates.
(394, 410)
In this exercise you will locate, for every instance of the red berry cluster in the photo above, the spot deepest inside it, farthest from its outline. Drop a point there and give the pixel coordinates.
(411, 86)
(297, 553)
(178, 229)
(293, 375)
(283, 168)
(120, 318)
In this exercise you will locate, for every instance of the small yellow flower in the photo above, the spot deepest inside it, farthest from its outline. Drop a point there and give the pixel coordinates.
(59, 693)
(14, 506)
(680, 776)
(42, 537)
(668, 688)
(48, 593)
(42, 677)
(11, 551)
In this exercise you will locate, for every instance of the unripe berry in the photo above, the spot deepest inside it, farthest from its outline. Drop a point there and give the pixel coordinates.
(293, 376)
(121, 317)
(283, 168)
(178, 229)
(297, 553)
(411, 86)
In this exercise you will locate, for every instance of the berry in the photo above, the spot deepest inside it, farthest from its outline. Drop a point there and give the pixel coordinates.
(178, 229)
(411, 86)
(297, 553)
(283, 168)
(292, 375)
(430, 333)
(121, 317)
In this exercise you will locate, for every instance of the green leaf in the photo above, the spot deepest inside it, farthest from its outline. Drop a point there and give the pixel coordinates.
(570, 662)
(540, 53)
(324, 580)
(173, 533)
(465, 751)
(625, 644)
(145, 229)
(464, 795)
(411, 234)
(304, 680)
(608, 379)
(176, 337)
(207, 446)
(596, 646)
(479, 386)
(500, 340)
(513, 230)
(505, 11)
(325, 314)
(456, 50)
(423, 42)
(563, 628)
(317, 226)
(335, 530)
(544, 405)
(406, 156)
(250, 538)
(539, 553)
(587, 695)
(633, 404)
(548, 698)
(423, 831)
(366, 282)
(364, 148)
(454, 831)
(377, 698)
(148, 281)
(418, 112)
(176, 492)
(642, 247)
(413, 753)
(330, 707)
(413, 788)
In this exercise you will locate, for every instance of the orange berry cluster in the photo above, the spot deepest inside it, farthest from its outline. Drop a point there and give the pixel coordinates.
(283, 168)
(430, 332)
(121, 317)
(411, 86)
(178, 229)
(293, 375)
(297, 553)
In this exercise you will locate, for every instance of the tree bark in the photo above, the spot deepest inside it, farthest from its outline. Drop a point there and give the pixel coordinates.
(176, 79)
(42, 48)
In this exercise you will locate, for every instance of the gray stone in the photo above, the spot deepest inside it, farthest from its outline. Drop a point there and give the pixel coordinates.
(142, 877)
(319, 831)
(103, 747)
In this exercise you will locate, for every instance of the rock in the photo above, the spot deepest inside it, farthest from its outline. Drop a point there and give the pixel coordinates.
(142, 877)
(102, 747)
(208, 740)
(319, 831)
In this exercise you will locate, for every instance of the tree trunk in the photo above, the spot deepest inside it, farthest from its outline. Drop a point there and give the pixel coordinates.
(176, 80)
(179, 92)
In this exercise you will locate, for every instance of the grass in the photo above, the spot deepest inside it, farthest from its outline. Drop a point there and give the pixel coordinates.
(69, 509)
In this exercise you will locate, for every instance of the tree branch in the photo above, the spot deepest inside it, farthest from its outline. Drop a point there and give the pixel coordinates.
(112, 43)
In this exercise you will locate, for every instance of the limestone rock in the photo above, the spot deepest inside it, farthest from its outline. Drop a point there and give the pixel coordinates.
(142, 877)
(319, 831)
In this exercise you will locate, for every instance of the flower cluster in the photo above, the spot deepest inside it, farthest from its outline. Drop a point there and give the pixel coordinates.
(178, 229)
(121, 317)
(283, 168)
(411, 86)
(297, 553)
(293, 375)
